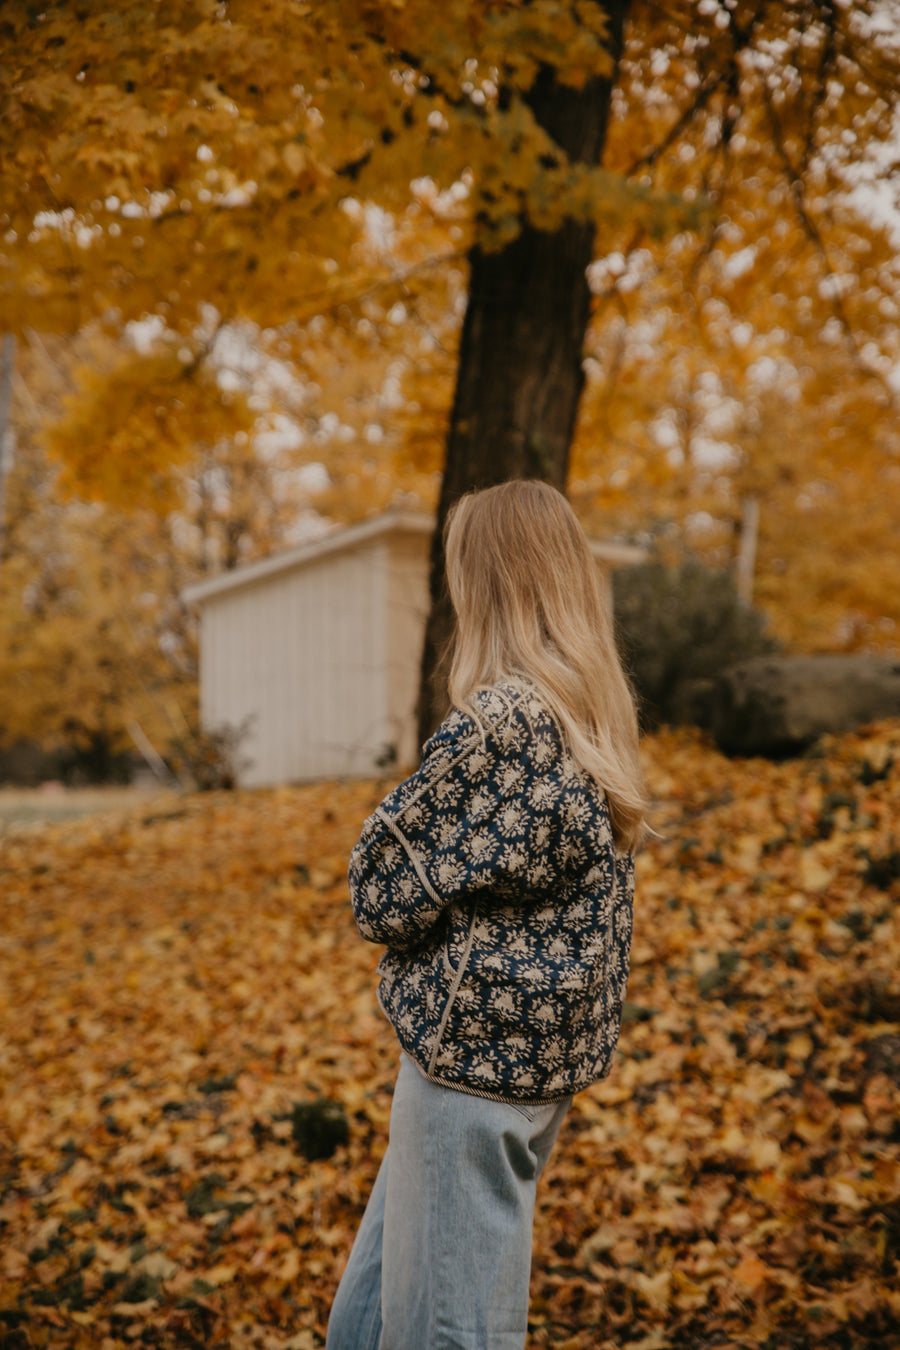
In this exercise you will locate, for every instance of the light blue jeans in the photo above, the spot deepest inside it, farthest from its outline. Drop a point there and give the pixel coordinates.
(442, 1258)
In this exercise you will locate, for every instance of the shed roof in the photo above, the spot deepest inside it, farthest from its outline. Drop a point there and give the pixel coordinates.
(343, 537)
(336, 540)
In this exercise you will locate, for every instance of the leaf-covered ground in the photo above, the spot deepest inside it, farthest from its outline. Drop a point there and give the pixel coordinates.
(175, 985)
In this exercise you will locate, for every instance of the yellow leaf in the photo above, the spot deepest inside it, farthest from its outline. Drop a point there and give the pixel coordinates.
(814, 876)
(750, 1271)
(219, 1275)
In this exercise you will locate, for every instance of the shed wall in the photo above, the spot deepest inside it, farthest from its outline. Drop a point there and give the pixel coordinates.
(302, 656)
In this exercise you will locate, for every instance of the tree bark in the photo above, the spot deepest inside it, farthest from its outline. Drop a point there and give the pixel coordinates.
(520, 375)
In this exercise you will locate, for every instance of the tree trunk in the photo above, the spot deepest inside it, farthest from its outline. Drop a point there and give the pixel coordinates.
(520, 372)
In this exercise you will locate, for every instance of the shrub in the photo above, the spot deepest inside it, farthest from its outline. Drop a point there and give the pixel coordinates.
(211, 759)
(678, 627)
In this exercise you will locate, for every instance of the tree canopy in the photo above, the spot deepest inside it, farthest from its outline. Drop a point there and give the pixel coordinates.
(161, 158)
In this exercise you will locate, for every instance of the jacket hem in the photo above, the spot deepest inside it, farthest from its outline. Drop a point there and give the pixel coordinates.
(508, 1100)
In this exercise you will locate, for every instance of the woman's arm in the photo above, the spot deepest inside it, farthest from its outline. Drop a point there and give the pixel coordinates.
(480, 813)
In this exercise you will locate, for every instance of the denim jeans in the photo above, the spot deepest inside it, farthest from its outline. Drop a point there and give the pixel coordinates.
(442, 1258)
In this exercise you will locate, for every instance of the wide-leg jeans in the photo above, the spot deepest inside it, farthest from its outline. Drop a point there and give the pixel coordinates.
(442, 1258)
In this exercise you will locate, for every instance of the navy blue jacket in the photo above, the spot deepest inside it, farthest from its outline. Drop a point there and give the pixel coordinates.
(492, 879)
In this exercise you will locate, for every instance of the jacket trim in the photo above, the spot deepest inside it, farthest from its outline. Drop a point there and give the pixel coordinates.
(454, 989)
(411, 854)
(497, 1096)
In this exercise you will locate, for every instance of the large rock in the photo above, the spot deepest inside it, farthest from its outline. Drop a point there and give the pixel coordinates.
(779, 705)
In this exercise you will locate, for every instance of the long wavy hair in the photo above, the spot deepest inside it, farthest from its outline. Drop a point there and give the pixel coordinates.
(530, 604)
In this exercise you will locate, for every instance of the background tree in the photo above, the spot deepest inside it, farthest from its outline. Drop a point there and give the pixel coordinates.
(756, 361)
(520, 371)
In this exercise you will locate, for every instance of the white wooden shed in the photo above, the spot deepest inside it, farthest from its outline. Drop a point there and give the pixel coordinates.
(317, 650)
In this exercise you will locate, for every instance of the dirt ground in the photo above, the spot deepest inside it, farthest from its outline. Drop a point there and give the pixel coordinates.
(24, 808)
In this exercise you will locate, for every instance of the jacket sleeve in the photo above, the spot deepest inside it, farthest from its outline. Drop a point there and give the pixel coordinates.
(480, 813)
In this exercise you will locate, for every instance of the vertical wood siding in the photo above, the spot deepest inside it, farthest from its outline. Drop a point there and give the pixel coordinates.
(302, 655)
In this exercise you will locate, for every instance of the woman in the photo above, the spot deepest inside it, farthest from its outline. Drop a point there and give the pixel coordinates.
(499, 877)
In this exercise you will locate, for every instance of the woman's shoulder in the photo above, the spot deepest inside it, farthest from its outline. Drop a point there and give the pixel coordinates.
(516, 718)
(509, 706)
(494, 703)
(492, 713)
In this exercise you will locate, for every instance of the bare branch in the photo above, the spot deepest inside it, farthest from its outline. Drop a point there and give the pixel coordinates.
(796, 186)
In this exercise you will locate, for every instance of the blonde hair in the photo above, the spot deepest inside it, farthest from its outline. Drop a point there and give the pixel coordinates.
(529, 603)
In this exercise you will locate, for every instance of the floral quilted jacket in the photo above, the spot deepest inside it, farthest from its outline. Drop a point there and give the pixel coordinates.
(492, 879)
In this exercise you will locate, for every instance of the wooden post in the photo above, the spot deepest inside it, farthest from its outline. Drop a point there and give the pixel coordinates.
(7, 361)
(745, 565)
